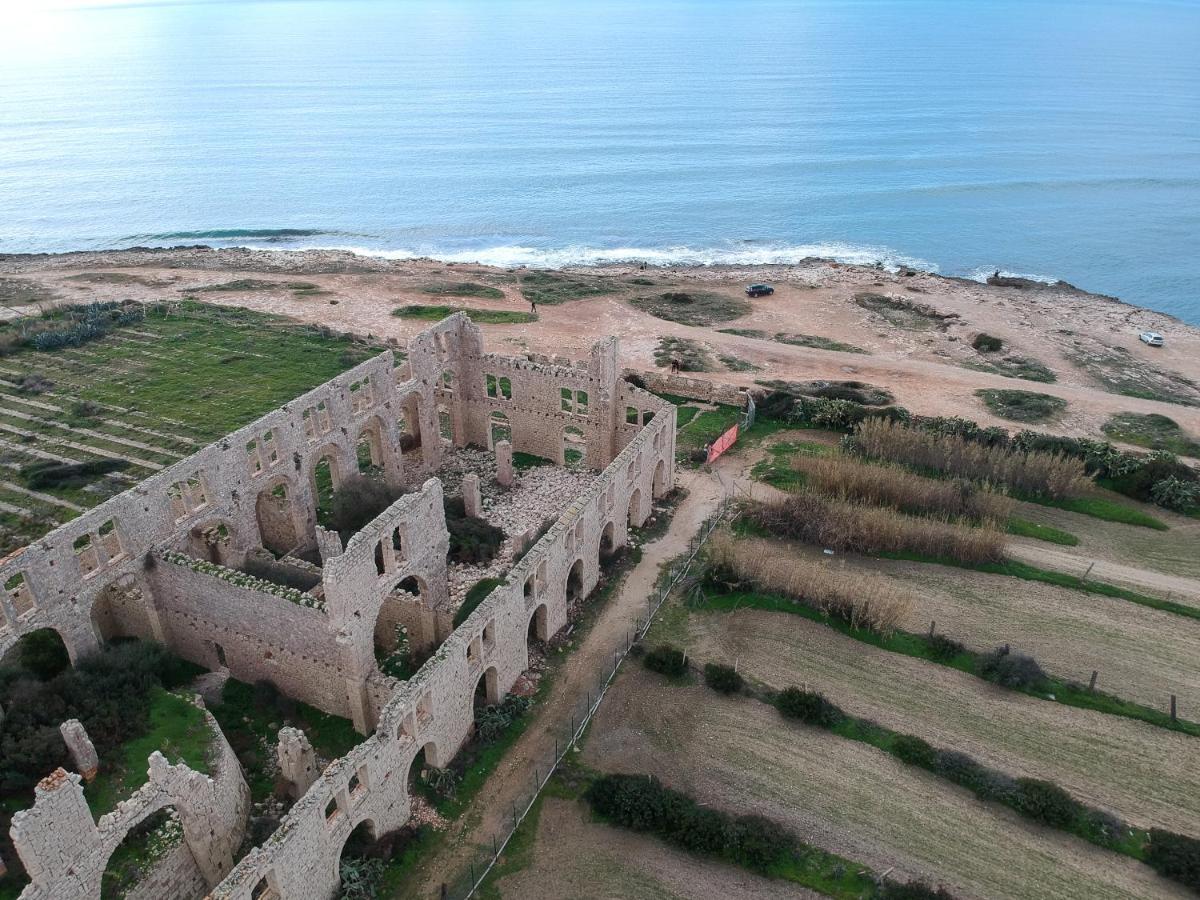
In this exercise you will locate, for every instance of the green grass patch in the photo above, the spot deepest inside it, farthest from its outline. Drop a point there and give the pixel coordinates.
(1022, 406)
(737, 364)
(1025, 528)
(479, 316)
(254, 284)
(177, 729)
(1100, 508)
(707, 426)
(461, 289)
(700, 308)
(817, 342)
(1022, 367)
(746, 332)
(919, 647)
(1151, 430)
(522, 460)
(550, 288)
(685, 414)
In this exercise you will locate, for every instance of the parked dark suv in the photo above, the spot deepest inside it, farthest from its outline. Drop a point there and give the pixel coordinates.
(759, 290)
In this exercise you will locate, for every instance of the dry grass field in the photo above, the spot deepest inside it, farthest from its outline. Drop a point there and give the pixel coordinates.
(848, 797)
(1142, 654)
(574, 857)
(1147, 775)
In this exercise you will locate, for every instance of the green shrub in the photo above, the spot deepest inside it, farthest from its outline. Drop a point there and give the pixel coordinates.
(1046, 802)
(809, 707)
(1175, 856)
(721, 678)
(1022, 406)
(1011, 670)
(943, 649)
(757, 842)
(987, 343)
(1175, 493)
(912, 890)
(472, 540)
(357, 501)
(492, 721)
(477, 594)
(914, 751)
(666, 660)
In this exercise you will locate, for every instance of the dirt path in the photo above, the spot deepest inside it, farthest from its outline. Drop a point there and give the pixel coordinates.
(489, 813)
(1043, 555)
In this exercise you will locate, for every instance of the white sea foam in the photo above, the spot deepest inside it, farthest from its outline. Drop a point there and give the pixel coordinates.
(983, 273)
(510, 256)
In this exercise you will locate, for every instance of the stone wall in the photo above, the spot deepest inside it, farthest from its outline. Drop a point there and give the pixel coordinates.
(692, 388)
(65, 852)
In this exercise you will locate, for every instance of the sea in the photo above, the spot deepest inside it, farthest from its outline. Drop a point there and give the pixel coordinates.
(1054, 140)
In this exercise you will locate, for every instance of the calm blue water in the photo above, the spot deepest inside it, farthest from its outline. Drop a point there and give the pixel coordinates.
(1049, 139)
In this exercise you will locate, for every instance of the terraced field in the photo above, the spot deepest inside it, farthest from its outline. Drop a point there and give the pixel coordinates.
(847, 797)
(148, 394)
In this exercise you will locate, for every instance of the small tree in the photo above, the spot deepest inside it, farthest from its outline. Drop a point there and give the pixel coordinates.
(722, 679)
(809, 707)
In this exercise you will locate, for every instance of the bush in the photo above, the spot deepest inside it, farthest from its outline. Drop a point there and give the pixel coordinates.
(1039, 473)
(1175, 856)
(357, 501)
(809, 707)
(912, 890)
(42, 653)
(1022, 406)
(914, 751)
(1011, 670)
(1174, 493)
(987, 343)
(722, 679)
(847, 478)
(492, 721)
(666, 660)
(472, 540)
(757, 842)
(862, 601)
(1046, 802)
(943, 649)
(860, 528)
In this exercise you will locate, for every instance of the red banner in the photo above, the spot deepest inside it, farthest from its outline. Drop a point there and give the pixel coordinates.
(723, 443)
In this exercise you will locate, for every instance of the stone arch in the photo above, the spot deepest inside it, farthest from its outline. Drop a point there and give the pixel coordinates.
(574, 583)
(326, 476)
(120, 611)
(357, 843)
(410, 430)
(368, 448)
(660, 478)
(499, 429)
(276, 514)
(162, 826)
(487, 688)
(397, 632)
(636, 516)
(44, 651)
(608, 542)
(539, 625)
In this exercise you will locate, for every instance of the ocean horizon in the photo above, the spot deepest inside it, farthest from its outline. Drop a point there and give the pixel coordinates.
(1045, 140)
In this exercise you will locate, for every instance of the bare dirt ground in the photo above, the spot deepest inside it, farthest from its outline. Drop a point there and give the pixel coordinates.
(1147, 775)
(924, 362)
(589, 660)
(847, 797)
(1062, 559)
(1142, 654)
(576, 857)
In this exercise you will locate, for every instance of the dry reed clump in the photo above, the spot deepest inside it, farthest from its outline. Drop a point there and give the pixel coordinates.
(847, 478)
(1033, 473)
(853, 527)
(863, 601)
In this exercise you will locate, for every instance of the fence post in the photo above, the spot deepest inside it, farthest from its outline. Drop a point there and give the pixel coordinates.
(1092, 683)
(1172, 707)
(932, 626)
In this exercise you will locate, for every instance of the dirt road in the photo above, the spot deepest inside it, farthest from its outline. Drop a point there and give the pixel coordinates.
(490, 812)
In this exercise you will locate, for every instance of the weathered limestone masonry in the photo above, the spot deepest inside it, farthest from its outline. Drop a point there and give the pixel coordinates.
(162, 562)
(693, 388)
(65, 852)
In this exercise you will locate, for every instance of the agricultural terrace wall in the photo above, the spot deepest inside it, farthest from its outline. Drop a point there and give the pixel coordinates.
(160, 556)
(65, 852)
(692, 388)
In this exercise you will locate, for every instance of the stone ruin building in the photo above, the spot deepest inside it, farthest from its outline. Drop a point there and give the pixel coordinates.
(166, 561)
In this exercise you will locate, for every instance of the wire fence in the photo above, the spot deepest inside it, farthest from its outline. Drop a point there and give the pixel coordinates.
(570, 731)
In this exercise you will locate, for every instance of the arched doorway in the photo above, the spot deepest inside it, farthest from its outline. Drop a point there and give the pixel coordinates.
(368, 449)
(120, 611)
(326, 479)
(358, 873)
(396, 645)
(539, 627)
(276, 518)
(498, 430)
(660, 478)
(635, 509)
(575, 582)
(157, 842)
(608, 547)
(487, 688)
(42, 653)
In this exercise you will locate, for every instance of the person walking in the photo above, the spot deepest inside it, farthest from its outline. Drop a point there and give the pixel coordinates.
(533, 307)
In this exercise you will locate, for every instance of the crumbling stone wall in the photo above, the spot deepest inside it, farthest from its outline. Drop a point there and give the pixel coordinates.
(319, 645)
(65, 852)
